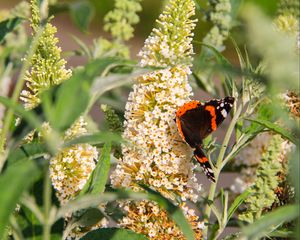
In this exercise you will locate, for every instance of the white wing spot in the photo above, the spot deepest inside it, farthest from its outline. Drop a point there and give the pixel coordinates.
(224, 113)
(222, 105)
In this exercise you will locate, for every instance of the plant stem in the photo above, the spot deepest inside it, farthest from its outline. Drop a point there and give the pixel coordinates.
(219, 167)
(47, 206)
(17, 233)
(18, 87)
(29, 202)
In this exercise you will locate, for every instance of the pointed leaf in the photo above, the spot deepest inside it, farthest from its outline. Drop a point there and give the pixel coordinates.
(96, 138)
(236, 203)
(264, 225)
(104, 84)
(101, 171)
(64, 104)
(14, 181)
(90, 217)
(275, 128)
(27, 151)
(29, 116)
(81, 13)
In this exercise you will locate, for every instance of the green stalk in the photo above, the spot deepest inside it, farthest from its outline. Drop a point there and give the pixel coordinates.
(47, 206)
(17, 232)
(19, 86)
(219, 167)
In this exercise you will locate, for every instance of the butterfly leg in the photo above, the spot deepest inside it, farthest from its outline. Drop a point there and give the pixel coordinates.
(204, 163)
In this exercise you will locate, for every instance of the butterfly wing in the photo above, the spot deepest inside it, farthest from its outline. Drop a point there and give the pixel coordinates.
(219, 109)
(194, 124)
(195, 121)
(194, 139)
(204, 163)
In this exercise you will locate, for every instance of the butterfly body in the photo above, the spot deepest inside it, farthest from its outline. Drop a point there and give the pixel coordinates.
(196, 120)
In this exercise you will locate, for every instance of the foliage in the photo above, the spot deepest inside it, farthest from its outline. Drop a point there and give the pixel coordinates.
(263, 190)
(65, 174)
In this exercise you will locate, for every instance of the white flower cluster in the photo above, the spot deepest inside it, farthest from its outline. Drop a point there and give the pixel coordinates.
(71, 167)
(170, 44)
(155, 154)
(248, 159)
(285, 149)
(220, 16)
(250, 155)
(70, 170)
(156, 223)
(77, 129)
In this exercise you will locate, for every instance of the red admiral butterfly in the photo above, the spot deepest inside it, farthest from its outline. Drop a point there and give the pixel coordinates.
(196, 120)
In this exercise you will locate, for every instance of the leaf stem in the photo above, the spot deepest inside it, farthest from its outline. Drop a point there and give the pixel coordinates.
(219, 167)
(30, 203)
(17, 233)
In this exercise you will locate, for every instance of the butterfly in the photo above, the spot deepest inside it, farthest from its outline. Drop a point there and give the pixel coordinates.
(196, 120)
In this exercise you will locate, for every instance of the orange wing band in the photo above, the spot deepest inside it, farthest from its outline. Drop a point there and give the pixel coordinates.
(212, 112)
(187, 106)
(178, 123)
(201, 160)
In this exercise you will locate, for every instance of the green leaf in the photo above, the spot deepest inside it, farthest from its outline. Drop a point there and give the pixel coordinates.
(217, 213)
(115, 211)
(14, 181)
(113, 234)
(219, 57)
(27, 151)
(96, 138)
(282, 233)
(88, 201)
(101, 171)
(52, 139)
(174, 212)
(84, 48)
(96, 182)
(226, 68)
(8, 26)
(235, 5)
(265, 224)
(104, 84)
(64, 106)
(29, 116)
(95, 199)
(204, 84)
(81, 13)
(275, 128)
(236, 203)
(90, 217)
